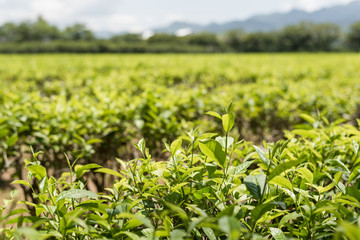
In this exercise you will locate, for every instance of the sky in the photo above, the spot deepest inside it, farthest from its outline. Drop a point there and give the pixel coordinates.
(141, 15)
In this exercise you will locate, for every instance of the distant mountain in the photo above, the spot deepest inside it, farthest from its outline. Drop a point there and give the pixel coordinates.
(341, 15)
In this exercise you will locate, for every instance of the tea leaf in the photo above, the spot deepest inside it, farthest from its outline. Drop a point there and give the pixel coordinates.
(283, 167)
(228, 121)
(76, 193)
(256, 185)
(262, 156)
(214, 114)
(175, 146)
(306, 174)
(281, 181)
(209, 233)
(37, 170)
(213, 150)
(222, 141)
(277, 234)
(109, 171)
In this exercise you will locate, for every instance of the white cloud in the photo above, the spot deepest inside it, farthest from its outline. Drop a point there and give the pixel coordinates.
(115, 23)
(311, 5)
(139, 15)
(173, 17)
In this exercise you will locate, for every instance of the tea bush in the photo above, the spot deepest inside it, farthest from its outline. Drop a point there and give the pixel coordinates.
(212, 186)
(93, 106)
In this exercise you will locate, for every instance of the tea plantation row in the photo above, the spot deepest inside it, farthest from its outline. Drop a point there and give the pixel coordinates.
(211, 187)
(90, 109)
(94, 106)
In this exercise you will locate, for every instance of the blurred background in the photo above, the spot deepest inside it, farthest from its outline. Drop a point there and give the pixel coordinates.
(35, 26)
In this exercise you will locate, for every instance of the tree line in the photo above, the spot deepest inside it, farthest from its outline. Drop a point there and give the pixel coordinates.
(40, 36)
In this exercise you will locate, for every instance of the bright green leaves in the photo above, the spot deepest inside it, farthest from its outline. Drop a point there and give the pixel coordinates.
(76, 193)
(225, 143)
(306, 173)
(326, 188)
(109, 171)
(38, 171)
(281, 181)
(277, 234)
(262, 156)
(228, 121)
(256, 185)
(175, 146)
(11, 141)
(213, 150)
(231, 227)
(261, 209)
(283, 167)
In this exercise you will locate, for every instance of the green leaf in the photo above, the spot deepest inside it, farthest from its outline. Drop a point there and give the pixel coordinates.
(350, 230)
(308, 118)
(177, 234)
(209, 233)
(283, 167)
(131, 235)
(93, 141)
(86, 167)
(306, 173)
(288, 217)
(211, 168)
(76, 193)
(213, 150)
(356, 148)
(261, 209)
(12, 140)
(175, 146)
(38, 171)
(325, 189)
(109, 171)
(222, 141)
(214, 114)
(180, 185)
(228, 121)
(256, 185)
(140, 145)
(262, 156)
(23, 182)
(277, 234)
(241, 168)
(230, 226)
(4, 132)
(305, 133)
(281, 181)
(355, 173)
(30, 233)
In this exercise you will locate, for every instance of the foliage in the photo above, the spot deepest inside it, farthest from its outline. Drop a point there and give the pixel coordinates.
(210, 187)
(353, 38)
(93, 107)
(39, 36)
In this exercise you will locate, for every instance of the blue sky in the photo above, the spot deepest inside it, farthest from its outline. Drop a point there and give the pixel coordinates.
(140, 15)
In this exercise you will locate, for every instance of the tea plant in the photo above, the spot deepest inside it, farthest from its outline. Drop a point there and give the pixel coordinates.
(210, 187)
(92, 107)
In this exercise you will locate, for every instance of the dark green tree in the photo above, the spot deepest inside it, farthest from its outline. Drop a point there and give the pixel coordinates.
(203, 39)
(9, 33)
(353, 37)
(78, 32)
(233, 40)
(163, 38)
(260, 42)
(128, 38)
